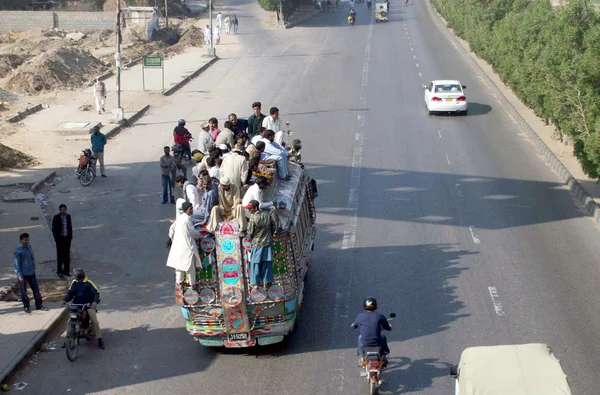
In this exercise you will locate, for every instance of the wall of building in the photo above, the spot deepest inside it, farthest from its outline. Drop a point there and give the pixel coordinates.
(83, 21)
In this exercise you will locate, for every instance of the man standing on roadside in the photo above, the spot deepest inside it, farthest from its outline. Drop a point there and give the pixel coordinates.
(207, 34)
(24, 263)
(98, 143)
(62, 230)
(255, 120)
(167, 166)
(219, 20)
(99, 95)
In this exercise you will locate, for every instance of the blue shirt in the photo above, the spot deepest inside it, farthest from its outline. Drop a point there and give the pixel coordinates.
(98, 142)
(371, 324)
(24, 261)
(83, 292)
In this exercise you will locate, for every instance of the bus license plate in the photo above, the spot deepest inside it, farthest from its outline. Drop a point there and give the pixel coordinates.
(237, 337)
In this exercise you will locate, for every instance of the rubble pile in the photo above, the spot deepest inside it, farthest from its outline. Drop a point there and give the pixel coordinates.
(59, 68)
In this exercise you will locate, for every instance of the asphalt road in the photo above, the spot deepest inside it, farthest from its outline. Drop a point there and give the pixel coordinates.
(454, 223)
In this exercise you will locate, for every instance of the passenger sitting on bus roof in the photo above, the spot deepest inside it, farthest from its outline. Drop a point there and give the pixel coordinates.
(261, 227)
(259, 136)
(183, 255)
(276, 152)
(257, 192)
(210, 198)
(229, 207)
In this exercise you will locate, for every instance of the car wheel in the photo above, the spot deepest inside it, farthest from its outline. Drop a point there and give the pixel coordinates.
(465, 112)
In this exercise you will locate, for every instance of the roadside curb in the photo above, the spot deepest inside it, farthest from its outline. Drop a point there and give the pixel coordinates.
(134, 118)
(23, 114)
(303, 19)
(33, 346)
(38, 184)
(189, 78)
(541, 147)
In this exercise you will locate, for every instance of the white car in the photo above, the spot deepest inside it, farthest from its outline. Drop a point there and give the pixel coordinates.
(445, 96)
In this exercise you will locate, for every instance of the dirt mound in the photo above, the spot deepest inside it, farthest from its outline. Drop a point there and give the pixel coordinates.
(13, 159)
(62, 68)
(166, 36)
(191, 37)
(9, 62)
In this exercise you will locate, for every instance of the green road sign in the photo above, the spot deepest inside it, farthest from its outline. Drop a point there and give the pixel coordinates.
(153, 61)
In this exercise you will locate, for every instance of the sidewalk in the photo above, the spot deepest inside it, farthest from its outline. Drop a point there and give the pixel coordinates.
(56, 136)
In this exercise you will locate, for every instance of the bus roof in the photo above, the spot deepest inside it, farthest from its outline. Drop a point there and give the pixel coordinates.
(288, 192)
(528, 369)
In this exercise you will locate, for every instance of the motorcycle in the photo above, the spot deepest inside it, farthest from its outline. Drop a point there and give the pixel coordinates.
(374, 364)
(85, 170)
(351, 19)
(177, 150)
(79, 326)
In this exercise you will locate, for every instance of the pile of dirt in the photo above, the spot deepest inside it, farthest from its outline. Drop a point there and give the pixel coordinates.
(52, 290)
(9, 62)
(191, 37)
(13, 159)
(63, 68)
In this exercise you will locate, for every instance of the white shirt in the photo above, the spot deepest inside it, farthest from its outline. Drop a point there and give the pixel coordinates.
(254, 193)
(257, 138)
(274, 124)
(205, 142)
(219, 19)
(192, 195)
(215, 172)
(184, 250)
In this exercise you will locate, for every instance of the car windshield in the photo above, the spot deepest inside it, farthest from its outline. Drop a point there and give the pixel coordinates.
(448, 88)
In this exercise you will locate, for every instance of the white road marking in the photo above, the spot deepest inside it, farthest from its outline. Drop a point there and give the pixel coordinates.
(448, 159)
(420, 75)
(496, 301)
(349, 239)
(439, 133)
(459, 191)
(417, 64)
(412, 49)
(474, 235)
(414, 56)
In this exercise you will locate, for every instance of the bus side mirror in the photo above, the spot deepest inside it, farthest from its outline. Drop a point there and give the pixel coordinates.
(454, 371)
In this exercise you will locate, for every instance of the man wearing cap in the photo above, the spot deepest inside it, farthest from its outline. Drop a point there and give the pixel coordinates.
(197, 156)
(257, 192)
(205, 140)
(261, 227)
(226, 136)
(229, 207)
(183, 255)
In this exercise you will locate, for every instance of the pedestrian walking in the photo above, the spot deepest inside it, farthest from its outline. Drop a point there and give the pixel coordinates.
(227, 24)
(98, 142)
(24, 262)
(167, 166)
(235, 24)
(62, 230)
(207, 35)
(217, 35)
(219, 20)
(99, 95)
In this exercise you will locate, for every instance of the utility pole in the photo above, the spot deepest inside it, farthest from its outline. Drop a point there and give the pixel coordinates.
(211, 51)
(118, 111)
(166, 15)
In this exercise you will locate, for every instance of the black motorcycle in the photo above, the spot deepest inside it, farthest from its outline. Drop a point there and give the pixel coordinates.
(79, 326)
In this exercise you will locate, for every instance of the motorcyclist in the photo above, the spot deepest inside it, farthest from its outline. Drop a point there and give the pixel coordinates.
(182, 136)
(83, 291)
(371, 323)
(351, 15)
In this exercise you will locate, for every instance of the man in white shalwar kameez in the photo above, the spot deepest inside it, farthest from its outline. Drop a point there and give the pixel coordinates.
(184, 256)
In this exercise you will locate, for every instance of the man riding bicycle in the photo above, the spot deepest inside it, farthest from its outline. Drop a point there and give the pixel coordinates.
(371, 323)
(83, 291)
